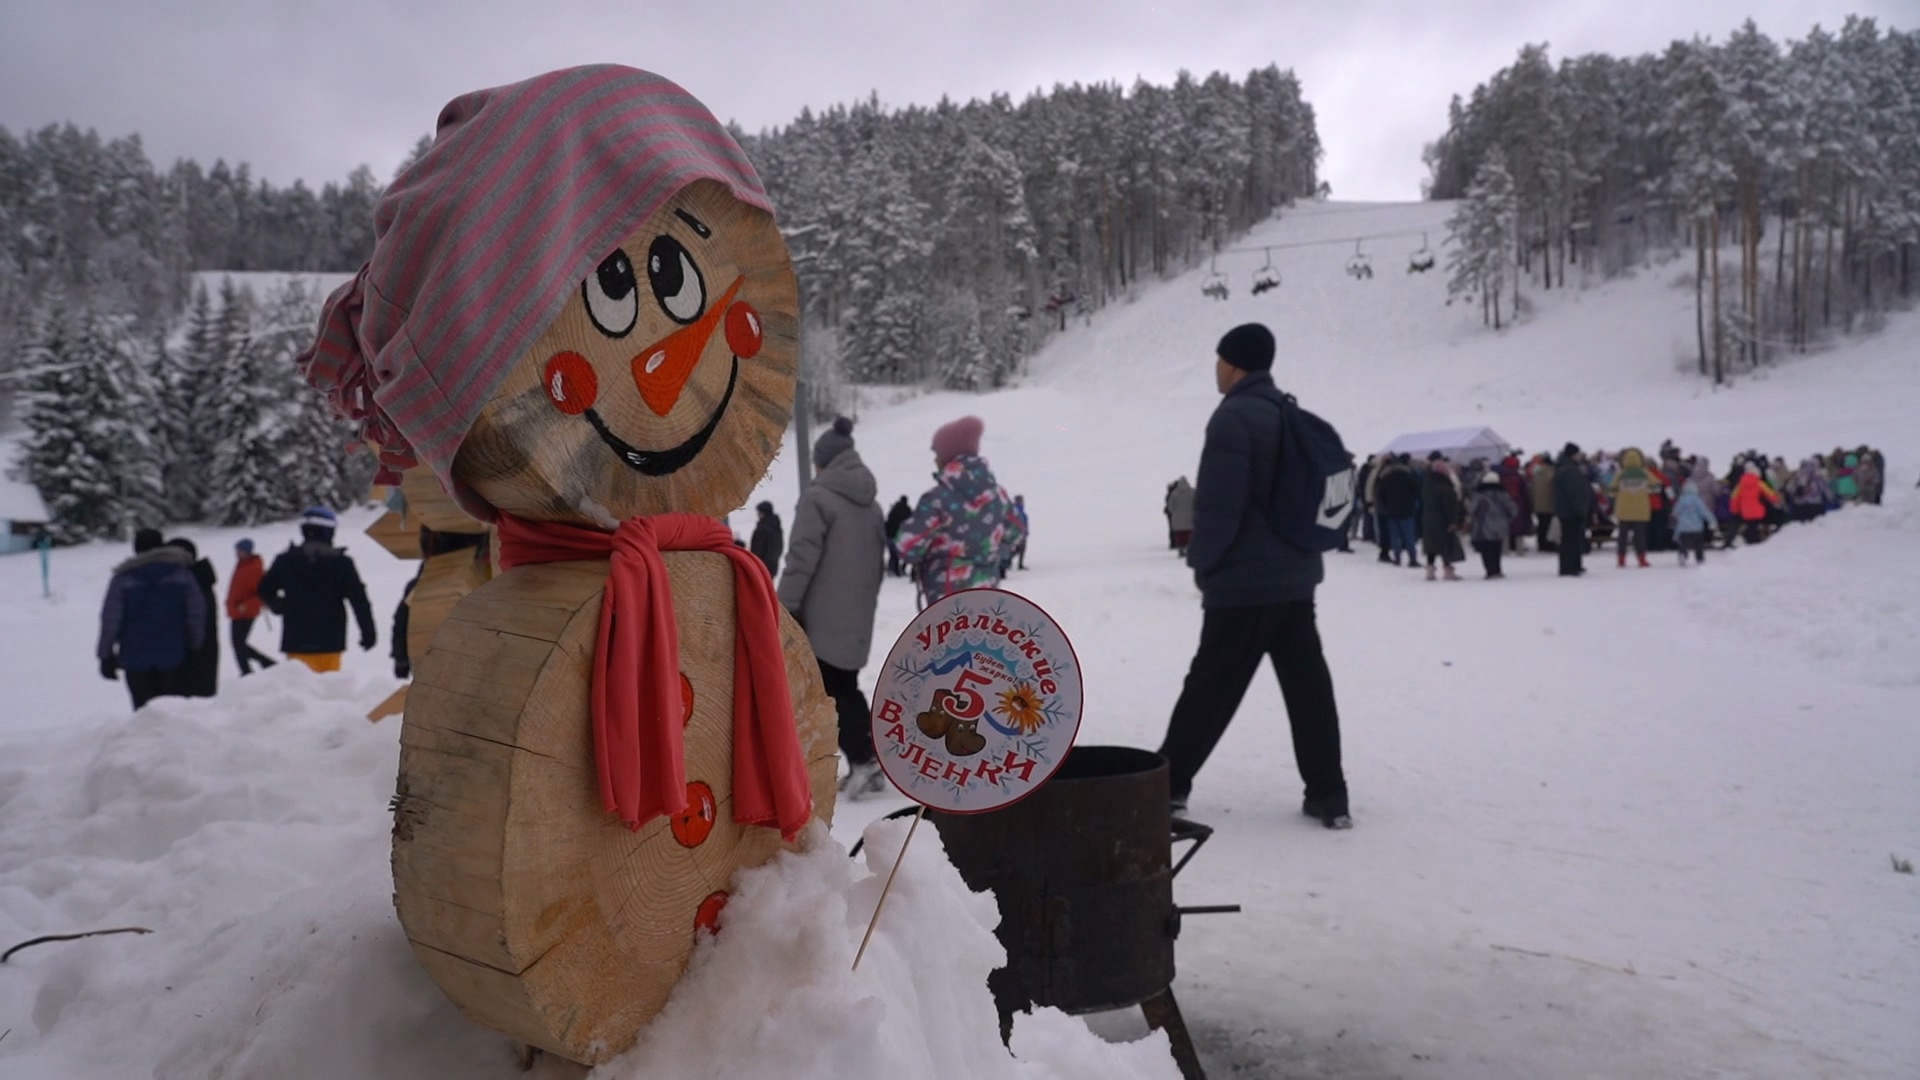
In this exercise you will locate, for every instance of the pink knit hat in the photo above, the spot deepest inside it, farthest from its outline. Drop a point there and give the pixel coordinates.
(960, 437)
(479, 245)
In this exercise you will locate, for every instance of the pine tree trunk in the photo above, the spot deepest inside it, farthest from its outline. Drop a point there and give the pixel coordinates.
(1826, 273)
(1496, 305)
(1700, 290)
(1719, 325)
(1846, 266)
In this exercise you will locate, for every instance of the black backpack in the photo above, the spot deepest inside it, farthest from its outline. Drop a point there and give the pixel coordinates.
(1314, 487)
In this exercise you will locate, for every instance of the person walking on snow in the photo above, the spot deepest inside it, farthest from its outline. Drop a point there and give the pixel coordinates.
(836, 562)
(1490, 517)
(1692, 522)
(151, 618)
(310, 585)
(896, 517)
(1540, 484)
(1180, 515)
(964, 526)
(1019, 557)
(1632, 491)
(1440, 516)
(243, 605)
(1751, 499)
(1257, 588)
(768, 540)
(1572, 503)
(200, 675)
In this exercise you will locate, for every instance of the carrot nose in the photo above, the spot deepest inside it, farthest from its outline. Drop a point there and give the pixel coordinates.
(661, 371)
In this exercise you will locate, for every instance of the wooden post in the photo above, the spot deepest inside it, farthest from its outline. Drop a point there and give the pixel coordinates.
(802, 428)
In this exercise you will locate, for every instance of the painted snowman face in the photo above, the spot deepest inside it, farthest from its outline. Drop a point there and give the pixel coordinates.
(665, 384)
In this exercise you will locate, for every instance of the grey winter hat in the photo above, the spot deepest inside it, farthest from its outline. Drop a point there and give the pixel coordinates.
(833, 442)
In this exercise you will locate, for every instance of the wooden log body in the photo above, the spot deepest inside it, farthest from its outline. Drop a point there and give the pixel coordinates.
(532, 907)
(445, 580)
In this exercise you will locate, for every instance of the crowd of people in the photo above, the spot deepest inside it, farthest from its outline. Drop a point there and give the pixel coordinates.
(1418, 512)
(159, 624)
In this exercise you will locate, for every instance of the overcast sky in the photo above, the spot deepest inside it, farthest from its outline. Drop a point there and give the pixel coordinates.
(309, 89)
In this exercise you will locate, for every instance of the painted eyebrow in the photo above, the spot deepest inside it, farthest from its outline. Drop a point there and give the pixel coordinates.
(694, 223)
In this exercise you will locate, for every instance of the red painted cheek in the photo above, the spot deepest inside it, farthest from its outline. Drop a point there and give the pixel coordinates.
(571, 383)
(745, 334)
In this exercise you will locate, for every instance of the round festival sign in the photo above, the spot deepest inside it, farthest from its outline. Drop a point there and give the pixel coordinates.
(978, 704)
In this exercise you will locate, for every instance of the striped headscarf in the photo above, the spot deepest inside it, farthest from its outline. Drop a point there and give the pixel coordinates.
(479, 245)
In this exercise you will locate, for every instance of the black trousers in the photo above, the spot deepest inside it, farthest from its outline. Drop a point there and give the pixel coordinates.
(1543, 528)
(147, 685)
(856, 725)
(1490, 552)
(1232, 643)
(1573, 544)
(245, 653)
(1693, 542)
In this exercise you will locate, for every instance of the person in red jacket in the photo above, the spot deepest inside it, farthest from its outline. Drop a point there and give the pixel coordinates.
(1751, 498)
(243, 605)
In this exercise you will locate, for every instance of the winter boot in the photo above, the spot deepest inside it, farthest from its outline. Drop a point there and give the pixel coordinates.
(1430, 576)
(1623, 559)
(1643, 559)
(1450, 575)
(1328, 812)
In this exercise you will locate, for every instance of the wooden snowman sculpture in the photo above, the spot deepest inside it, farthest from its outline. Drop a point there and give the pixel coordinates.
(580, 315)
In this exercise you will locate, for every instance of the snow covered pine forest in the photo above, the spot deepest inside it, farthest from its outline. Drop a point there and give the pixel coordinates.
(1631, 826)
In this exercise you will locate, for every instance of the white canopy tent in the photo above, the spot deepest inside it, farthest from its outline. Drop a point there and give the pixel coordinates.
(1458, 445)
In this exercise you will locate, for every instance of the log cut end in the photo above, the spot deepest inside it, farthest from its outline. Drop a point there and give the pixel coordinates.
(535, 910)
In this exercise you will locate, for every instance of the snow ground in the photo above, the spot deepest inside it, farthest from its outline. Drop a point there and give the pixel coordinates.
(1634, 825)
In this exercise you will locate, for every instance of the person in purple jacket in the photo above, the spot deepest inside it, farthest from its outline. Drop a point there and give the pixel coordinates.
(153, 617)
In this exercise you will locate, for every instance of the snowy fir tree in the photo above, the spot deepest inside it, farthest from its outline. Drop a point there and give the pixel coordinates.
(90, 446)
(1802, 160)
(1484, 232)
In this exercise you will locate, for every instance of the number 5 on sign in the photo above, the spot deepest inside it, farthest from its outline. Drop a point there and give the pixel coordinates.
(963, 690)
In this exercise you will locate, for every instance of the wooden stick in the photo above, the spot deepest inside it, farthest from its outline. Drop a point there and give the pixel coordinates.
(888, 887)
(71, 937)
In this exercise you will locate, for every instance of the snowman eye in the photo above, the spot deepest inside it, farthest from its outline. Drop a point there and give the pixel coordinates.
(676, 281)
(612, 295)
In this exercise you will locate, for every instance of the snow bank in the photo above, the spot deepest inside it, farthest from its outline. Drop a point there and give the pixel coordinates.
(775, 993)
(250, 834)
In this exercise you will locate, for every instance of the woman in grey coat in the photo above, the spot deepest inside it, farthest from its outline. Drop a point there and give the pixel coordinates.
(836, 559)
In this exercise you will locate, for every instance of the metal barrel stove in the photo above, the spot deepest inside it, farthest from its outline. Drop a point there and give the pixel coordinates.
(1083, 871)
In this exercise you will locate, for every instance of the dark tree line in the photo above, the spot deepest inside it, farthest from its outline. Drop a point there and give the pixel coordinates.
(941, 244)
(1811, 149)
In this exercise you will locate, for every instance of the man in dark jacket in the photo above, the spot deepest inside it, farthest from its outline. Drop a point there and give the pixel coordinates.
(896, 517)
(1397, 493)
(768, 542)
(152, 618)
(307, 587)
(1573, 505)
(200, 675)
(1257, 590)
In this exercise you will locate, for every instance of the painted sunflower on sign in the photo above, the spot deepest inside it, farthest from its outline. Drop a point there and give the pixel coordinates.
(1023, 708)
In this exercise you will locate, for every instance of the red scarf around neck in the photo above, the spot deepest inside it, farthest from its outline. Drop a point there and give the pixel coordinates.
(636, 670)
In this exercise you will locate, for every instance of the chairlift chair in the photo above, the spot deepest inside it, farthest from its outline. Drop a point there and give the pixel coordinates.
(1422, 260)
(1216, 283)
(1266, 278)
(1359, 267)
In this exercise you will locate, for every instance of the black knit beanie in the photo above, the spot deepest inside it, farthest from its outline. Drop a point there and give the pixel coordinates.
(1248, 347)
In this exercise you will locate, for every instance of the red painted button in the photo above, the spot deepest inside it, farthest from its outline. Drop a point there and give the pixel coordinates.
(692, 825)
(708, 917)
(745, 334)
(571, 383)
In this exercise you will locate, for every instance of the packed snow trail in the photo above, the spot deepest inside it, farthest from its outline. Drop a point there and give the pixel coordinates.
(1638, 824)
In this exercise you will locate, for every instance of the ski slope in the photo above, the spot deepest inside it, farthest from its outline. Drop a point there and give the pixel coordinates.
(1633, 825)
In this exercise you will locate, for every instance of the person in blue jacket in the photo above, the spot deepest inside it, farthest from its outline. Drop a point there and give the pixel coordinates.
(154, 615)
(1692, 521)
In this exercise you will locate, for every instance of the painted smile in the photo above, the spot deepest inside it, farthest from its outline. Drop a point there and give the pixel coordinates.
(674, 458)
